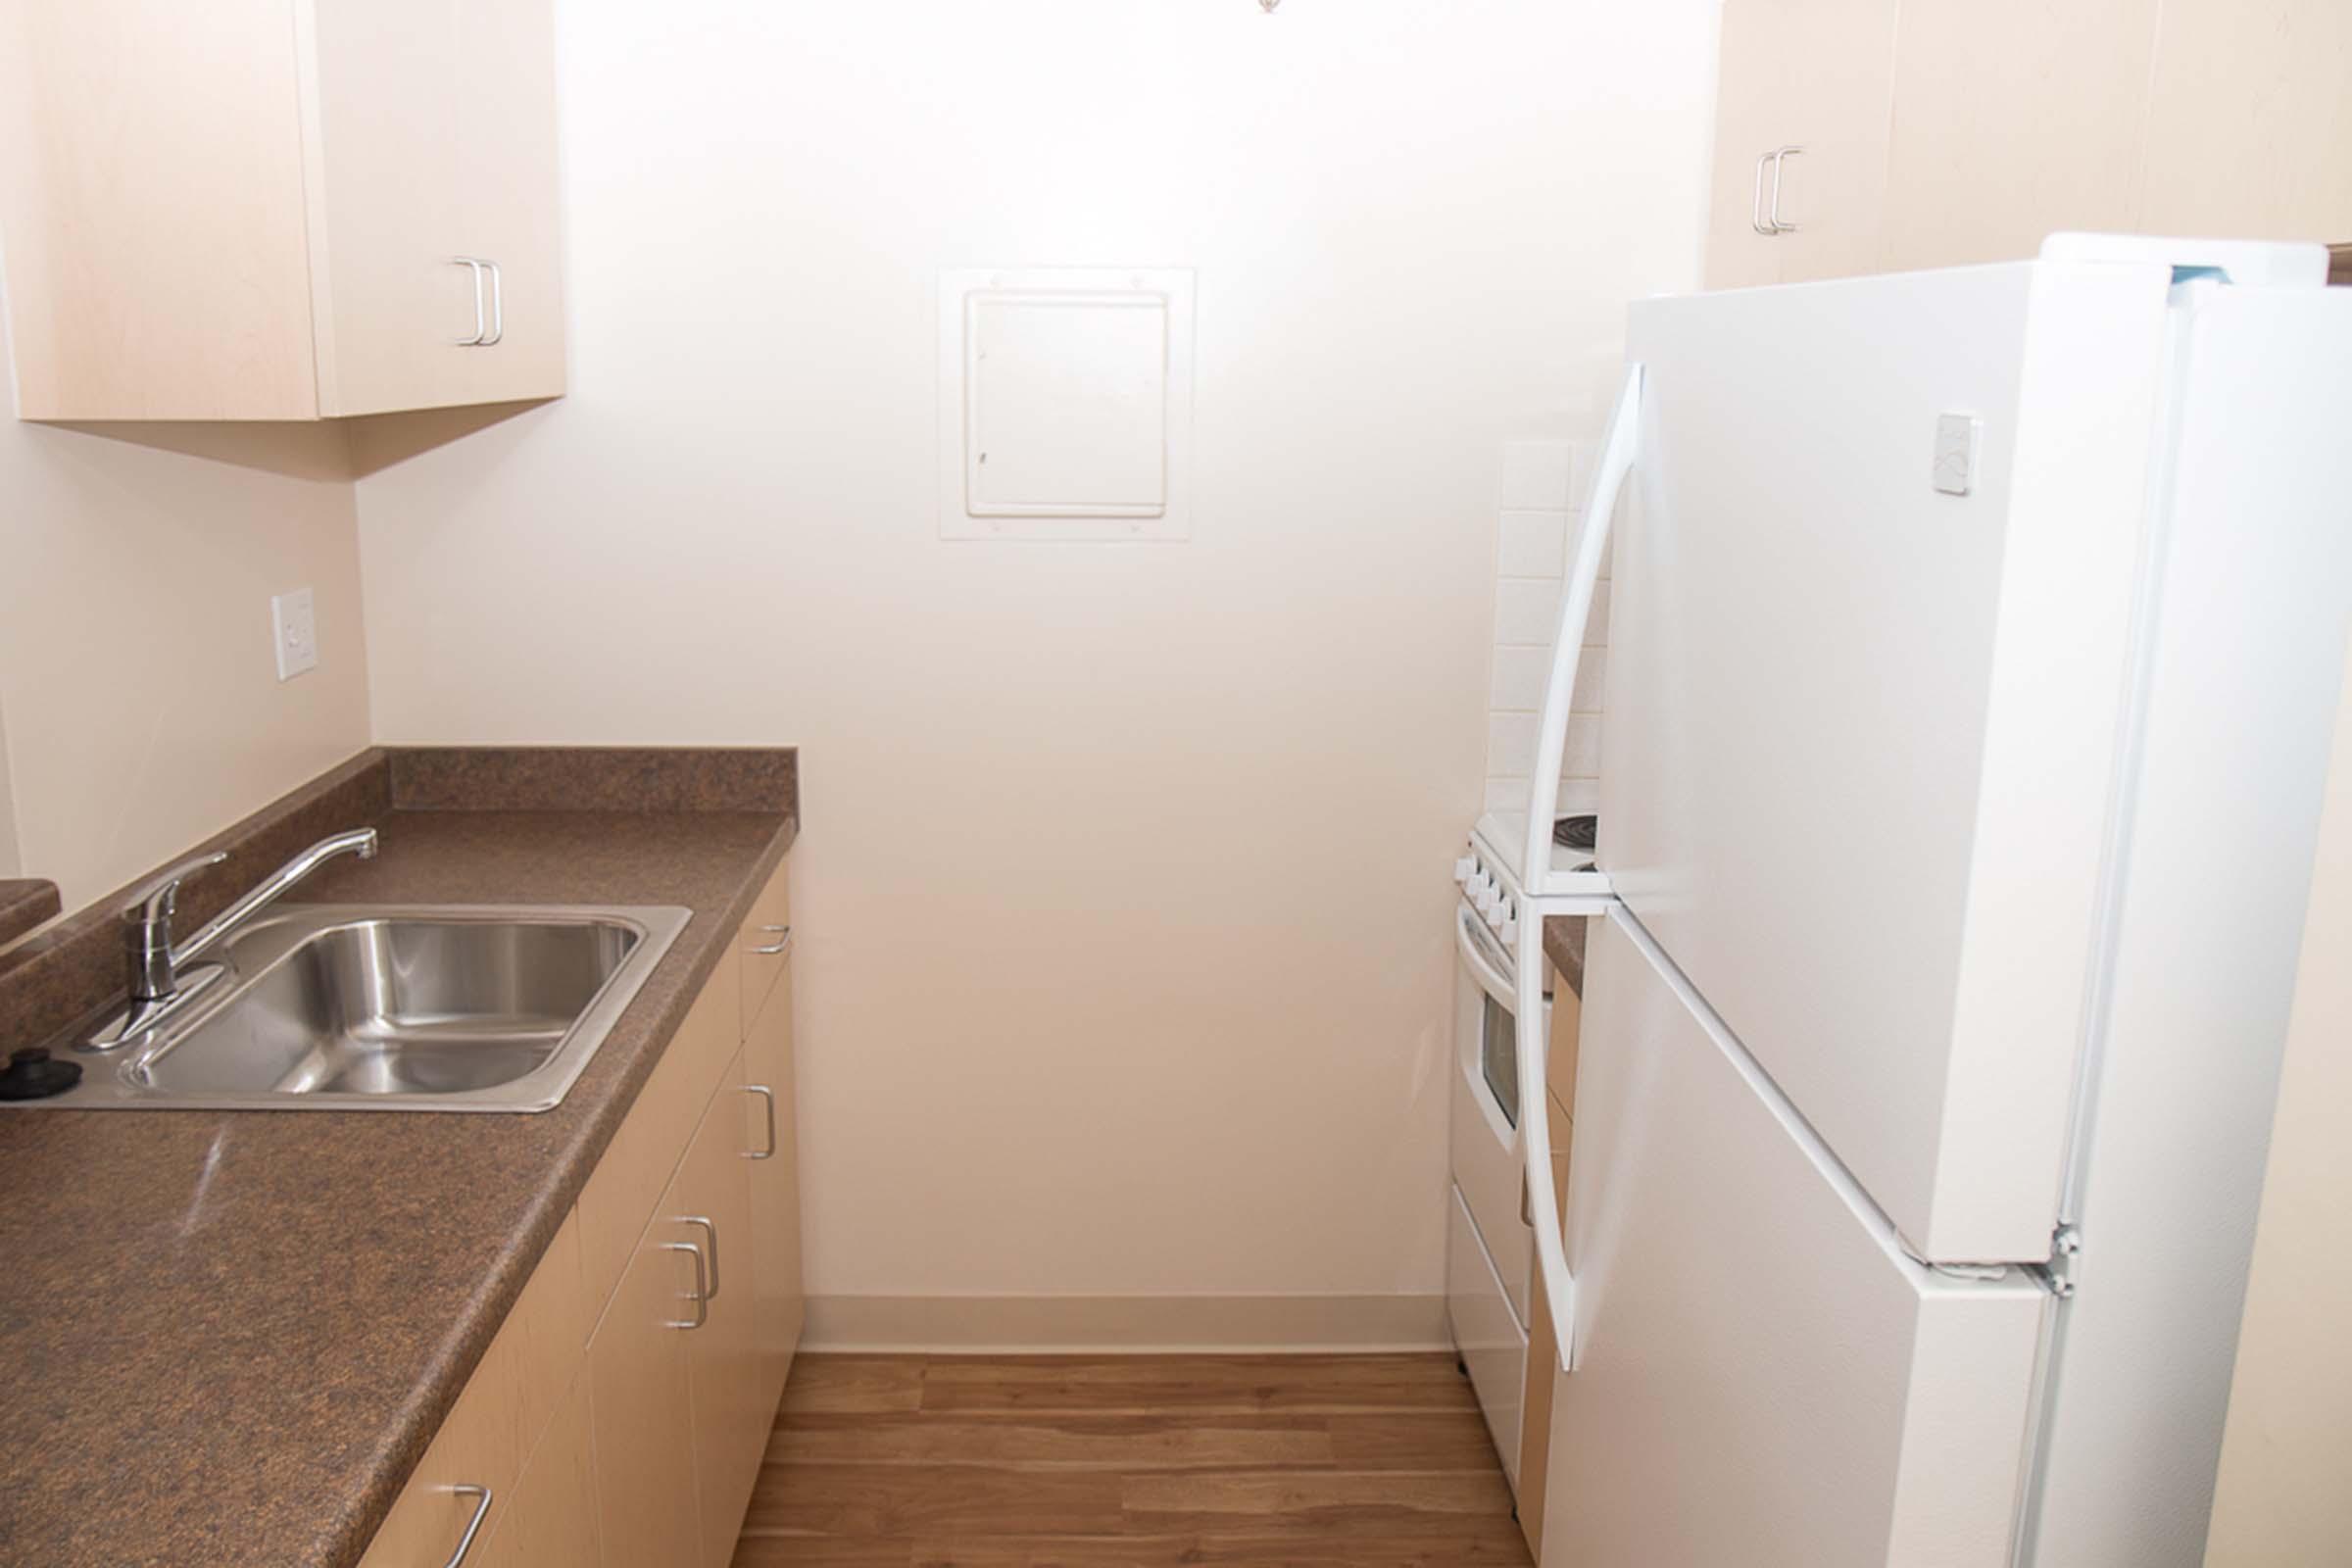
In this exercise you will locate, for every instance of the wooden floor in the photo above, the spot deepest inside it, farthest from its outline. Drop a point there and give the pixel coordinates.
(1129, 1462)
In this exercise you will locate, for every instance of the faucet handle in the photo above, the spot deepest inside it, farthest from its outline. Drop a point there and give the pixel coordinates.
(155, 901)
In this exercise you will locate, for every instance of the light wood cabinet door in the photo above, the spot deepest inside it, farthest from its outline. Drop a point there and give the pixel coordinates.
(641, 1413)
(763, 946)
(2250, 121)
(155, 286)
(713, 1196)
(783, 1304)
(2013, 120)
(253, 210)
(1810, 73)
(550, 1519)
(380, 121)
(502, 182)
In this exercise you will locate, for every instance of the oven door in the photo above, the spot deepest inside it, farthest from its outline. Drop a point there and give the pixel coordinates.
(1485, 1130)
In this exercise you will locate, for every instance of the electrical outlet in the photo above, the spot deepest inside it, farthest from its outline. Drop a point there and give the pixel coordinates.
(295, 620)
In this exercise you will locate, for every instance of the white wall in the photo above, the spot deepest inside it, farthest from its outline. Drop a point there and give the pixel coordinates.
(1123, 890)
(136, 672)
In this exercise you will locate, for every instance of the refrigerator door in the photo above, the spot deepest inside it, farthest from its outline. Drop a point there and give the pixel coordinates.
(2255, 596)
(1763, 1377)
(1868, 656)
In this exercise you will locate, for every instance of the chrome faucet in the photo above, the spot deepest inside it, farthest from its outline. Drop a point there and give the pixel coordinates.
(157, 965)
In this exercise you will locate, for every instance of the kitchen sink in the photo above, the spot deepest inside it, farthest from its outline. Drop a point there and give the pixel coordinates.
(348, 1007)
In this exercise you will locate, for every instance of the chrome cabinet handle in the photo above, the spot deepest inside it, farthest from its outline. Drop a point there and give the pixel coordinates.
(481, 324)
(712, 1231)
(1771, 215)
(701, 1288)
(473, 1526)
(782, 944)
(498, 297)
(1765, 217)
(767, 1099)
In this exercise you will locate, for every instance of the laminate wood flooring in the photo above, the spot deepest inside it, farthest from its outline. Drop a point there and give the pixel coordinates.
(1247, 1461)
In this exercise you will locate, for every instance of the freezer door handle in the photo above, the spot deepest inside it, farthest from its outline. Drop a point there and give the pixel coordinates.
(1537, 1202)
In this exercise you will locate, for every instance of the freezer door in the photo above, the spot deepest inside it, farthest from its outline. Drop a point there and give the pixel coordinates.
(1762, 1378)
(1868, 656)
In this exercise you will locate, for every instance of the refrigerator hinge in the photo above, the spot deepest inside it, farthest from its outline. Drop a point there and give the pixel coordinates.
(2066, 1246)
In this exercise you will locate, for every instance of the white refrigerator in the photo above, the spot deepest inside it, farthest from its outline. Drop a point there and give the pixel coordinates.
(1974, 655)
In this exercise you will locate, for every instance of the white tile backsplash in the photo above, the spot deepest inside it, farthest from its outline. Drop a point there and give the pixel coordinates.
(1537, 476)
(1522, 673)
(1534, 544)
(1519, 676)
(1527, 610)
(1511, 743)
(1541, 486)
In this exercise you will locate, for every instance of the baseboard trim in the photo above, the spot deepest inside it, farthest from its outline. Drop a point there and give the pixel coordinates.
(1126, 1324)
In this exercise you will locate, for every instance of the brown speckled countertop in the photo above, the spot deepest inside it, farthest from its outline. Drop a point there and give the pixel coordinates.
(24, 905)
(1564, 945)
(228, 1337)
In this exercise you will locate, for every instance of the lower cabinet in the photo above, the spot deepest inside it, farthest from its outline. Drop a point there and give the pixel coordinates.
(642, 1420)
(712, 1195)
(622, 1413)
(550, 1520)
(775, 1191)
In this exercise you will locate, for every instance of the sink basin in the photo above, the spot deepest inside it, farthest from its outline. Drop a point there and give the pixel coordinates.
(414, 1008)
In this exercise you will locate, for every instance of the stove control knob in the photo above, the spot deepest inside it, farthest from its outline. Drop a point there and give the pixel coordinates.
(1508, 931)
(1464, 868)
(1496, 912)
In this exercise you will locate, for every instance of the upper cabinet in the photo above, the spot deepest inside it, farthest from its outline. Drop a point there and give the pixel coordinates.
(1800, 139)
(2250, 121)
(278, 209)
(1942, 132)
(2013, 119)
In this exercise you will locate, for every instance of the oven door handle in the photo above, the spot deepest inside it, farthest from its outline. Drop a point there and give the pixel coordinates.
(1470, 936)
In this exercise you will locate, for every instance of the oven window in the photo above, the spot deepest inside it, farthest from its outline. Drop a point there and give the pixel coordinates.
(1498, 1058)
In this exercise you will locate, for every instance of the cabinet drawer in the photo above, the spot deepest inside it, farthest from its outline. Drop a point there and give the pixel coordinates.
(763, 946)
(498, 1418)
(629, 1179)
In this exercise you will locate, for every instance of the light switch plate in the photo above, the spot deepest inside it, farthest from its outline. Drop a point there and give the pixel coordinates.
(294, 624)
(1955, 472)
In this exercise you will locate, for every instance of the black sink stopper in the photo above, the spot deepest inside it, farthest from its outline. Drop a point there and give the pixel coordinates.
(32, 1075)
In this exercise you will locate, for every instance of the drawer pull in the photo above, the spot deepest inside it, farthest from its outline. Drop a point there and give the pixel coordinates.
(497, 306)
(481, 324)
(782, 944)
(701, 1288)
(712, 1231)
(767, 1099)
(473, 1526)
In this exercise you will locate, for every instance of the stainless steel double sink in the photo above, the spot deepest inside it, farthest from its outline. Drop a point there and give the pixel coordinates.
(430, 1007)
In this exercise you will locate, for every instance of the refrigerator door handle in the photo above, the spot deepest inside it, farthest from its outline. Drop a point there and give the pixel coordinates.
(1540, 1203)
(1576, 613)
